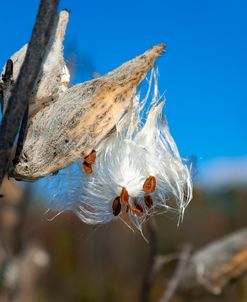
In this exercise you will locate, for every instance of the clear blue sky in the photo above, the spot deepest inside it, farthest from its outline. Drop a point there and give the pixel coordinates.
(204, 71)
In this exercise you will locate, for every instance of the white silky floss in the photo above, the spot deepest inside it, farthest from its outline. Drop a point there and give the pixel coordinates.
(125, 158)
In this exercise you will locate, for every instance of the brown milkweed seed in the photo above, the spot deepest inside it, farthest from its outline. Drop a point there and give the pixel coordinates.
(91, 158)
(87, 167)
(149, 185)
(138, 209)
(116, 206)
(124, 196)
(148, 201)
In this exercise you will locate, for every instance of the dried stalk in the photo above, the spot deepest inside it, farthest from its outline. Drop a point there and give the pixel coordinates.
(178, 274)
(207, 271)
(23, 87)
(213, 267)
(21, 261)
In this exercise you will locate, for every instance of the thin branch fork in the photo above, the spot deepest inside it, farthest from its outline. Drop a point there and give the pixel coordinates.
(23, 87)
(214, 266)
(205, 272)
(173, 284)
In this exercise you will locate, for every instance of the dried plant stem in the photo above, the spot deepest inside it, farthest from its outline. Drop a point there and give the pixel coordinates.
(22, 261)
(149, 273)
(178, 274)
(23, 87)
(216, 265)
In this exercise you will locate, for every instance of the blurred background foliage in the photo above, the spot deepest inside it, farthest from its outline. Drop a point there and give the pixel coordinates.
(107, 262)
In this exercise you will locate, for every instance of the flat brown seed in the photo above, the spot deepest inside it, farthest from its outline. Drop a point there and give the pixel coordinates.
(149, 185)
(124, 196)
(87, 168)
(116, 206)
(138, 209)
(91, 158)
(148, 201)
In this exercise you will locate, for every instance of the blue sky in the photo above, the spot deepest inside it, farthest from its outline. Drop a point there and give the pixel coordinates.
(204, 71)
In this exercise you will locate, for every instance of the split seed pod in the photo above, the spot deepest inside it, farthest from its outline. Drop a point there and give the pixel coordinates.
(80, 118)
(130, 162)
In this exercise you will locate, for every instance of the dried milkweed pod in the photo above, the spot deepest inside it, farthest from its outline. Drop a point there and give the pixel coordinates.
(73, 125)
(66, 125)
(137, 162)
(54, 76)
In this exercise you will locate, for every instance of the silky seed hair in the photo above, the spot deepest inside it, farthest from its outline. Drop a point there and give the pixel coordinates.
(136, 174)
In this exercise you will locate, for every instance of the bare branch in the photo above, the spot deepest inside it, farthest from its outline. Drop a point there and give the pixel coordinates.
(213, 267)
(178, 274)
(7, 83)
(22, 90)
